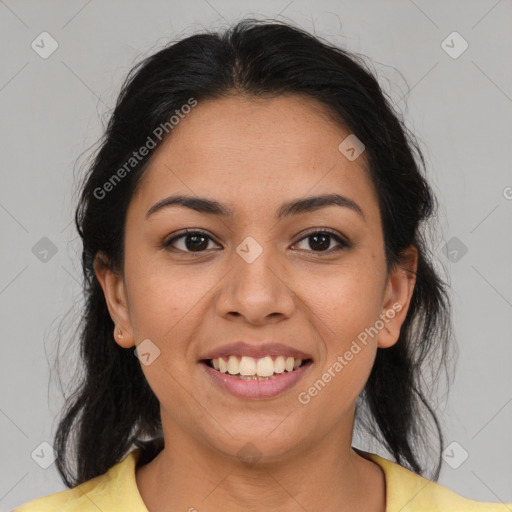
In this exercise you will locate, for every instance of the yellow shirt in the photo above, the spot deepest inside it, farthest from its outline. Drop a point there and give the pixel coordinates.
(116, 491)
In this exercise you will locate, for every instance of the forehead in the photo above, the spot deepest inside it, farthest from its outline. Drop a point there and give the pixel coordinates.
(255, 150)
(293, 128)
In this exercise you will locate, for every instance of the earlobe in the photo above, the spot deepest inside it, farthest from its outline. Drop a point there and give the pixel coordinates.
(112, 284)
(397, 297)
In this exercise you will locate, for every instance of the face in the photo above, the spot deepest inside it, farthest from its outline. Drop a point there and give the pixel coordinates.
(289, 282)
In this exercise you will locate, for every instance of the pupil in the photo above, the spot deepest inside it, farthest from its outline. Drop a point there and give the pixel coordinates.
(324, 245)
(194, 246)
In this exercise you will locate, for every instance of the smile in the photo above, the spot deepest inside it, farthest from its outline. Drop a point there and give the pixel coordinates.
(247, 366)
(249, 377)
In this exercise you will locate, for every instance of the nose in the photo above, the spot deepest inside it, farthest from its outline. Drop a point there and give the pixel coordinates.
(256, 290)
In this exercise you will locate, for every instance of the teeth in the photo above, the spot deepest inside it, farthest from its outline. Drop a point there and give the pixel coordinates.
(223, 366)
(247, 366)
(233, 366)
(250, 367)
(264, 367)
(279, 365)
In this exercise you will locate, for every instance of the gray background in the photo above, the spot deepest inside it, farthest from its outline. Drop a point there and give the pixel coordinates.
(53, 110)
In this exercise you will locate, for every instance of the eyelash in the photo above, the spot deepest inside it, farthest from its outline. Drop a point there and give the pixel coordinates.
(343, 244)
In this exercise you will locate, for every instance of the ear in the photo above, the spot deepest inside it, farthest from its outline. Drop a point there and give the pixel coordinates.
(397, 297)
(113, 286)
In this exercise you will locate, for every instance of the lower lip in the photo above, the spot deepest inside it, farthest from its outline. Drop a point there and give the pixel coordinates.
(256, 388)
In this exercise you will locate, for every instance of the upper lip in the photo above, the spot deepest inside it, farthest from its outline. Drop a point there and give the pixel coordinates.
(256, 350)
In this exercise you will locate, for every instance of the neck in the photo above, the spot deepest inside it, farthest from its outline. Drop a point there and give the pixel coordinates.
(329, 477)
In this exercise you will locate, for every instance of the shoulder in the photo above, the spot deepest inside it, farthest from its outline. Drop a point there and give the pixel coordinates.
(408, 492)
(116, 490)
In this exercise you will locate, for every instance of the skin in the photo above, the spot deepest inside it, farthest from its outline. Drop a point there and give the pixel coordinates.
(253, 155)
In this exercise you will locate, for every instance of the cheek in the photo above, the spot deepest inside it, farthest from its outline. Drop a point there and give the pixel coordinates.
(345, 307)
(166, 302)
(343, 319)
(166, 308)
(346, 299)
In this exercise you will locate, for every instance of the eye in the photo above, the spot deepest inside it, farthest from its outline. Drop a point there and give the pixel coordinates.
(189, 241)
(320, 241)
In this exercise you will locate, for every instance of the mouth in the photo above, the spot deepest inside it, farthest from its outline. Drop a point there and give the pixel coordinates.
(250, 377)
(251, 368)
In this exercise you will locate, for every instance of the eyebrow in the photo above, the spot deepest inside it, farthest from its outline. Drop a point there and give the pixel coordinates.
(295, 207)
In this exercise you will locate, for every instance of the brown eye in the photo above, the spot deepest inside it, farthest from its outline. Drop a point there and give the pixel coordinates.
(190, 241)
(320, 241)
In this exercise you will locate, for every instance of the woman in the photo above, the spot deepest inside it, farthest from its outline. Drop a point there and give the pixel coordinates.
(252, 230)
